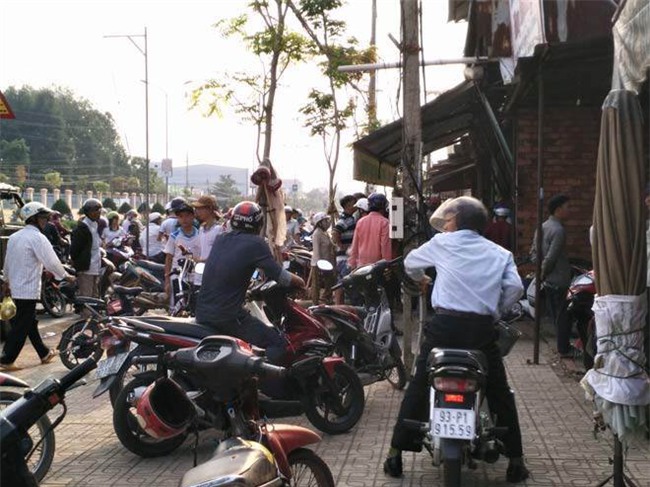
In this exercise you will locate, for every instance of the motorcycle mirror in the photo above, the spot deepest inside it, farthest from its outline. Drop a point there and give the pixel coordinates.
(198, 268)
(324, 265)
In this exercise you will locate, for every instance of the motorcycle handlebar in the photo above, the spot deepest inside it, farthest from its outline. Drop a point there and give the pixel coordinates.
(263, 369)
(145, 360)
(68, 380)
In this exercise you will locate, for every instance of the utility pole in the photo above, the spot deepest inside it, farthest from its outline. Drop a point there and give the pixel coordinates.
(372, 85)
(145, 53)
(411, 141)
(187, 171)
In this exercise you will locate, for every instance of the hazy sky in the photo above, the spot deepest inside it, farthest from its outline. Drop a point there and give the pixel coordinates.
(61, 43)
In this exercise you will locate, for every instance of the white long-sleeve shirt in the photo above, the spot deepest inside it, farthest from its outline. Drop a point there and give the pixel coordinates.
(474, 275)
(28, 251)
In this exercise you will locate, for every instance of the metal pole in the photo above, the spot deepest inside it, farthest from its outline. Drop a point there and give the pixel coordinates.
(146, 97)
(540, 213)
(351, 68)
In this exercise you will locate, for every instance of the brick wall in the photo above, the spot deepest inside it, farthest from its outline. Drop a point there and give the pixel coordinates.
(570, 153)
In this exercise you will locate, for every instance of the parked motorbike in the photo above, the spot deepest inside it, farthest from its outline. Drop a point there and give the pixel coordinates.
(18, 418)
(81, 339)
(52, 299)
(461, 429)
(297, 260)
(333, 398)
(365, 335)
(120, 250)
(39, 458)
(252, 452)
(580, 299)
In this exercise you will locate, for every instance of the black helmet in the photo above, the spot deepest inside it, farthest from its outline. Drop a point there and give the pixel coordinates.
(377, 202)
(179, 204)
(247, 216)
(91, 204)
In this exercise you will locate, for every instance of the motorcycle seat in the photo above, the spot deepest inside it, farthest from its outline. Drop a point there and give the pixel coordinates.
(456, 356)
(127, 291)
(152, 266)
(342, 310)
(92, 302)
(180, 326)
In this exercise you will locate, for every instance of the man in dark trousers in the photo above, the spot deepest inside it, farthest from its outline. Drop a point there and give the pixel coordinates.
(28, 251)
(556, 270)
(232, 261)
(477, 281)
(84, 249)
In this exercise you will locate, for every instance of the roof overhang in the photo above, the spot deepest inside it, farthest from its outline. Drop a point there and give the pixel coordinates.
(444, 121)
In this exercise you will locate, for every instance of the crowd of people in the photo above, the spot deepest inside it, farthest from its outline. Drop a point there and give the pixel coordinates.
(231, 245)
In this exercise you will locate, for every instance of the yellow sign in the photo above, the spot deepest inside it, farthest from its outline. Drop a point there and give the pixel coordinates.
(5, 109)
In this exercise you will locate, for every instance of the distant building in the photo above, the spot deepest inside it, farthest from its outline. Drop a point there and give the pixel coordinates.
(201, 177)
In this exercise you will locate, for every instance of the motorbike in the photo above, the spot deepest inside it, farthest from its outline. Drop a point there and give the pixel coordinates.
(120, 250)
(52, 300)
(461, 429)
(81, 339)
(580, 297)
(225, 371)
(39, 458)
(19, 417)
(365, 335)
(333, 398)
(297, 260)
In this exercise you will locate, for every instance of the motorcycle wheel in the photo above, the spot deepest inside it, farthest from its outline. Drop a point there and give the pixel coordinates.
(129, 432)
(41, 460)
(451, 472)
(308, 469)
(78, 342)
(53, 301)
(127, 372)
(396, 375)
(320, 403)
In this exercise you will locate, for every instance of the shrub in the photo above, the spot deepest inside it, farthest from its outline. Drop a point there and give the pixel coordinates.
(158, 207)
(69, 224)
(62, 207)
(109, 203)
(143, 208)
(124, 208)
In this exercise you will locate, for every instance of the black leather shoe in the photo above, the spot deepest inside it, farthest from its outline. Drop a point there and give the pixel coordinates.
(517, 473)
(393, 466)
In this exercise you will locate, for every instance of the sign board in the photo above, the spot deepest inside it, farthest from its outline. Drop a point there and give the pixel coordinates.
(166, 167)
(294, 188)
(5, 109)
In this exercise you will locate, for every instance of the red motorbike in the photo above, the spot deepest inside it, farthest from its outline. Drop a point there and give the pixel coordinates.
(580, 299)
(252, 452)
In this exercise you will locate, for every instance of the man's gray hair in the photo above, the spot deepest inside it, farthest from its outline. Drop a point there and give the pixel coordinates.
(470, 213)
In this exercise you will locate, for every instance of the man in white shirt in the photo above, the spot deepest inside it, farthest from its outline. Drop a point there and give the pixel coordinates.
(184, 239)
(28, 251)
(476, 282)
(156, 247)
(205, 209)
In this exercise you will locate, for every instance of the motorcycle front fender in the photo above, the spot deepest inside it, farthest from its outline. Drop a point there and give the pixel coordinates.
(330, 364)
(285, 438)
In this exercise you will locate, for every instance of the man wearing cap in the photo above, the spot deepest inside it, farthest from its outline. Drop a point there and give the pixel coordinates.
(205, 209)
(156, 247)
(28, 252)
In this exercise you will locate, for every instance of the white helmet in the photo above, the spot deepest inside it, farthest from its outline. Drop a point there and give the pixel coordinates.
(33, 209)
(502, 211)
(362, 204)
(319, 217)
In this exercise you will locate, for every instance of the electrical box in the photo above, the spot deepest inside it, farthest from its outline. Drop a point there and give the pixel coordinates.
(396, 218)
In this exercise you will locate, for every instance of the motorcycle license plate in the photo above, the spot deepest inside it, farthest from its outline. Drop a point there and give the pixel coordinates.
(111, 365)
(457, 424)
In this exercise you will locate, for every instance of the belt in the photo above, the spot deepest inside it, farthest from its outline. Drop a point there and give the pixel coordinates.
(461, 314)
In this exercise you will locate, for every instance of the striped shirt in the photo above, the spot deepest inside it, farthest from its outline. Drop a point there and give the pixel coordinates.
(28, 251)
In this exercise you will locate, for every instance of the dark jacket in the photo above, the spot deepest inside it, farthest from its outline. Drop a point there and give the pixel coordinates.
(81, 244)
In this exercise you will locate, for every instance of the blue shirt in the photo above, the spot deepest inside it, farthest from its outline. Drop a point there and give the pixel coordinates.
(474, 274)
(233, 259)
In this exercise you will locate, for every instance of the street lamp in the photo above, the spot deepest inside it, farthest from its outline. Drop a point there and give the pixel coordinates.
(144, 52)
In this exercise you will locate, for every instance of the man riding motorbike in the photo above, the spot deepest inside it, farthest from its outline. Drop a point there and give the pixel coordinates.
(232, 261)
(467, 265)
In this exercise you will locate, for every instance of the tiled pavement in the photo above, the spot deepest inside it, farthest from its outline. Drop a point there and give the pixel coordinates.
(555, 419)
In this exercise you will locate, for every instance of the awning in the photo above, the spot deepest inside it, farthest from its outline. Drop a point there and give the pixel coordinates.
(463, 111)
(444, 120)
